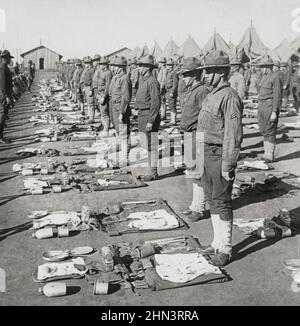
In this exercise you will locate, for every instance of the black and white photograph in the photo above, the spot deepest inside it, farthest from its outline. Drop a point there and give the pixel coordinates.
(149, 155)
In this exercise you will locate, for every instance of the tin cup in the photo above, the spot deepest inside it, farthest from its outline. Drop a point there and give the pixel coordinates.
(62, 232)
(44, 171)
(27, 172)
(57, 188)
(100, 287)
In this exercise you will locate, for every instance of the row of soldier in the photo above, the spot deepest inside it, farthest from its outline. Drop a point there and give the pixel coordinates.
(14, 80)
(210, 95)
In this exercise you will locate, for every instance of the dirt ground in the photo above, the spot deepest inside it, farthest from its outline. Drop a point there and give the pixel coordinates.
(257, 271)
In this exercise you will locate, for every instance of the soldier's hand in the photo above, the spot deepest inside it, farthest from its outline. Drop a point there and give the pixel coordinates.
(273, 117)
(149, 126)
(228, 176)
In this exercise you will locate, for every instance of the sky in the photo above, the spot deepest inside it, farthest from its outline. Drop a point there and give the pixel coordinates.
(76, 28)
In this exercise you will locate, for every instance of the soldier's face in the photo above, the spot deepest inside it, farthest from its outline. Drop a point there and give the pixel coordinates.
(212, 77)
(169, 67)
(95, 63)
(143, 70)
(275, 68)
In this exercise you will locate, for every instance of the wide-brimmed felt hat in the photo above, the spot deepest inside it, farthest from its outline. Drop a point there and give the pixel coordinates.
(162, 60)
(147, 60)
(6, 54)
(87, 59)
(265, 61)
(190, 64)
(104, 61)
(216, 59)
(170, 62)
(96, 57)
(119, 62)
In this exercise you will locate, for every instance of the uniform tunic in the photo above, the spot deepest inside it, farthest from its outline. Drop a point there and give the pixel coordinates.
(172, 89)
(269, 100)
(220, 120)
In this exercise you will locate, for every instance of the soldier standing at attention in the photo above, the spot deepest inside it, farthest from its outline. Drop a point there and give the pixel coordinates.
(97, 72)
(286, 83)
(161, 78)
(6, 89)
(86, 82)
(103, 94)
(148, 105)
(237, 80)
(75, 80)
(172, 89)
(220, 119)
(269, 104)
(120, 90)
(196, 92)
(247, 76)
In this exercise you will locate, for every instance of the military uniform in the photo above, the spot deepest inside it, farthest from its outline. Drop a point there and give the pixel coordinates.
(237, 82)
(103, 97)
(161, 78)
(286, 73)
(76, 83)
(295, 85)
(269, 100)
(6, 90)
(172, 89)
(220, 120)
(196, 92)
(148, 105)
(182, 90)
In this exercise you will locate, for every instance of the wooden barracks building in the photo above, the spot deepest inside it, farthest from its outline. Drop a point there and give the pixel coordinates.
(44, 58)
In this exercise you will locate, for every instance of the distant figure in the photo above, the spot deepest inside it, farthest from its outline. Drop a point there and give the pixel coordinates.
(17, 69)
(237, 80)
(31, 74)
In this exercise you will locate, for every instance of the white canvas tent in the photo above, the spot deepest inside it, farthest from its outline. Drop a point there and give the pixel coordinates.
(189, 48)
(170, 50)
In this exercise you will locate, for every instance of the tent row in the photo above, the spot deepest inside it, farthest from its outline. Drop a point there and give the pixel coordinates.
(249, 48)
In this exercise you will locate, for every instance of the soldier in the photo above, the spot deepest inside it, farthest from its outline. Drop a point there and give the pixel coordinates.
(237, 80)
(161, 77)
(172, 89)
(6, 89)
(31, 74)
(247, 76)
(286, 82)
(86, 80)
(120, 91)
(148, 105)
(220, 119)
(182, 90)
(269, 103)
(72, 68)
(103, 94)
(97, 71)
(276, 69)
(78, 98)
(134, 76)
(196, 92)
(295, 81)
